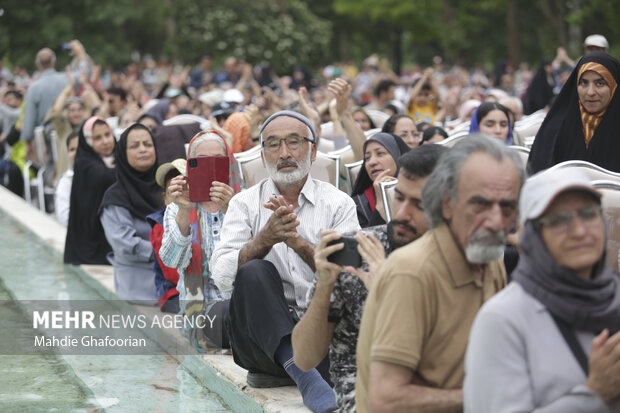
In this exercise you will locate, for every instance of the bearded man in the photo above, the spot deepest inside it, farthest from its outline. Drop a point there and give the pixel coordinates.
(418, 314)
(266, 257)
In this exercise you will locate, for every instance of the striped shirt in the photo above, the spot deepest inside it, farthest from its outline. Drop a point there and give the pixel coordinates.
(176, 250)
(321, 206)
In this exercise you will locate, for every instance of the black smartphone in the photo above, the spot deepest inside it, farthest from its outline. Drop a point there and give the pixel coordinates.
(348, 255)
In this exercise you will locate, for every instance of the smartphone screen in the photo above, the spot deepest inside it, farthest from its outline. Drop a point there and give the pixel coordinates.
(201, 172)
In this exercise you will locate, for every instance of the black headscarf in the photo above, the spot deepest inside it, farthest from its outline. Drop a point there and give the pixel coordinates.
(560, 138)
(86, 242)
(133, 190)
(539, 93)
(590, 305)
(394, 145)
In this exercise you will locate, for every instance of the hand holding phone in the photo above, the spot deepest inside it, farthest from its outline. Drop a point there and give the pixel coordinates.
(348, 255)
(202, 171)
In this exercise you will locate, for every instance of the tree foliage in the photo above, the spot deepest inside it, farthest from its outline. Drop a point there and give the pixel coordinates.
(305, 32)
(285, 34)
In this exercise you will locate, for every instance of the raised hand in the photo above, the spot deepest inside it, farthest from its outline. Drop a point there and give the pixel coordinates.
(341, 89)
(178, 191)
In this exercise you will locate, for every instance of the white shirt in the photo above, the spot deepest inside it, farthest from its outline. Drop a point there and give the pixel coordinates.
(62, 198)
(321, 206)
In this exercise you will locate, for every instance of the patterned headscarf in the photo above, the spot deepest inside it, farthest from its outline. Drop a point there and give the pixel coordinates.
(590, 121)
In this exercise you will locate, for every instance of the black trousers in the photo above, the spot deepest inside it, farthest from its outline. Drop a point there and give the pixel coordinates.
(260, 318)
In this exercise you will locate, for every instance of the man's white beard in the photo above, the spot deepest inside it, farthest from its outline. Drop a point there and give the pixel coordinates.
(479, 252)
(292, 177)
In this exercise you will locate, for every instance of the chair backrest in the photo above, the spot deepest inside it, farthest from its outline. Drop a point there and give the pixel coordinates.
(40, 146)
(352, 171)
(252, 169)
(387, 197)
(611, 216)
(523, 152)
(249, 153)
(528, 127)
(594, 172)
(452, 124)
(453, 139)
(327, 130)
(378, 117)
(460, 128)
(371, 132)
(324, 168)
(528, 141)
(188, 118)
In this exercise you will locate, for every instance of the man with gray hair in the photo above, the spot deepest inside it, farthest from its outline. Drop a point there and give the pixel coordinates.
(418, 315)
(266, 256)
(42, 93)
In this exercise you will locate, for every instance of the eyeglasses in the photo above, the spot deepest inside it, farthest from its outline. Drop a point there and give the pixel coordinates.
(292, 142)
(561, 222)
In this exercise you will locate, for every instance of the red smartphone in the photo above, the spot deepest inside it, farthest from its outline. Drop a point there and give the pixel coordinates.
(201, 172)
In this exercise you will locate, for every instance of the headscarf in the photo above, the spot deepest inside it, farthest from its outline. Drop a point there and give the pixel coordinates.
(590, 305)
(160, 111)
(133, 190)
(393, 144)
(561, 135)
(474, 125)
(86, 242)
(198, 267)
(466, 107)
(234, 180)
(590, 121)
(539, 93)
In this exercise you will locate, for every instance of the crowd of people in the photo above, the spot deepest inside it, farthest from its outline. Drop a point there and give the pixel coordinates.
(434, 318)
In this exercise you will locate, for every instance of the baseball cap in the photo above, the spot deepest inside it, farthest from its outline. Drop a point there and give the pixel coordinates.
(596, 40)
(541, 189)
(178, 164)
(211, 97)
(233, 95)
(222, 108)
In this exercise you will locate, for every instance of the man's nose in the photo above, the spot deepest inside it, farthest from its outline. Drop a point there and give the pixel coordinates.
(495, 219)
(403, 212)
(284, 151)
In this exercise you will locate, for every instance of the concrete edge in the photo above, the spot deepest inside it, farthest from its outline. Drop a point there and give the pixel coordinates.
(217, 372)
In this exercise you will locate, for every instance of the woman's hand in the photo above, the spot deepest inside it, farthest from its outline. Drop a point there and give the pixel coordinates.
(384, 176)
(178, 191)
(221, 193)
(604, 366)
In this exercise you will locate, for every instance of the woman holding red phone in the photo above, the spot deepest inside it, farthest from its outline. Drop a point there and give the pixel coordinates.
(191, 231)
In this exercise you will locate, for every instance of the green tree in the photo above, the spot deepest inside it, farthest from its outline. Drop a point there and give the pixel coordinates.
(284, 34)
(110, 30)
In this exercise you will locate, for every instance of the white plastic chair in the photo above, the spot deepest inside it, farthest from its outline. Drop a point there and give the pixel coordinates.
(387, 190)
